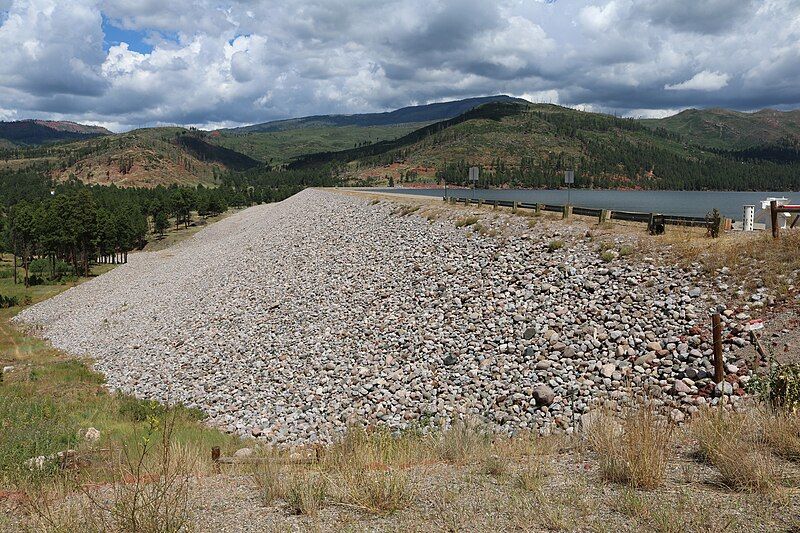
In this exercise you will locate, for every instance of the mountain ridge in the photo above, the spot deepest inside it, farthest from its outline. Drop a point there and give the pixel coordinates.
(33, 132)
(410, 114)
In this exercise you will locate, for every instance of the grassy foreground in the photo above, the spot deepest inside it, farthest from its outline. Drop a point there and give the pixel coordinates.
(50, 400)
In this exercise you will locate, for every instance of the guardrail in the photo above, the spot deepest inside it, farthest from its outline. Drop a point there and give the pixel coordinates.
(774, 209)
(652, 219)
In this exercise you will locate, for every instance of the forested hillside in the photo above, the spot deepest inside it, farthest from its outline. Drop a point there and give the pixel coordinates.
(280, 147)
(732, 130)
(35, 132)
(140, 158)
(531, 146)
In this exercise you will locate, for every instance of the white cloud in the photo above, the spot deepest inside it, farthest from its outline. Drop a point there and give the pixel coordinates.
(247, 61)
(702, 81)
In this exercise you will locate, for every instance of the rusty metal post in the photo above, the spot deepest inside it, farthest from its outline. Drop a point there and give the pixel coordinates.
(716, 330)
(773, 212)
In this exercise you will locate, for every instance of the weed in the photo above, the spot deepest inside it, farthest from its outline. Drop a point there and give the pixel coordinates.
(608, 255)
(555, 245)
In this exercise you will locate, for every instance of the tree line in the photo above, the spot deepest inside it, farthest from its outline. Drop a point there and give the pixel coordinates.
(63, 228)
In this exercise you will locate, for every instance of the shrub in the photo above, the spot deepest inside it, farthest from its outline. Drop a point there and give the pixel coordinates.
(555, 245)
(632, 450)
(625, 250)
(608, 255)
(6, 302)
(780, 387)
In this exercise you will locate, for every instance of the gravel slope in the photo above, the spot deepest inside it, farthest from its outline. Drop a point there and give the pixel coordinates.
(290, 320)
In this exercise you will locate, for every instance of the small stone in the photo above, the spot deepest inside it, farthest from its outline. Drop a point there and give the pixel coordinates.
(529, 333)
(607, 370)
(450, 360)
(92, 435)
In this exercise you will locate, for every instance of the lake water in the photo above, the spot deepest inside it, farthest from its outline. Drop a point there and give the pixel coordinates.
(687, 203)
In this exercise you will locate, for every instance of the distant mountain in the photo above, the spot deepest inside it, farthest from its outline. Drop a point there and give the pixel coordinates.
(731, 130)
(405, 115)
(35, 132)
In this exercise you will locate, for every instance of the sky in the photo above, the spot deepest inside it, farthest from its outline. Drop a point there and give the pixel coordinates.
(214, 63)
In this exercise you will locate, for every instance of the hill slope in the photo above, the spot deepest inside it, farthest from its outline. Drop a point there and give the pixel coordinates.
(36, 132)
(405, 115)
(280, 147)
(731, 130)
(531, 145)
(278, 142)
(141, 158)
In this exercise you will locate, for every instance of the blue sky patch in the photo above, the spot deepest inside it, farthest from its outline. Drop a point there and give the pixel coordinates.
(114, 35)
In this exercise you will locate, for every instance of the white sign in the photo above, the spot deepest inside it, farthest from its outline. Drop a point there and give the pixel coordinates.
(473, 173)
(569, 177)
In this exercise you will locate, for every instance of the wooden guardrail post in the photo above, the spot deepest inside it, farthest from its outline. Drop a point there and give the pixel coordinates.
(514, 207)
(716, 331)
(480, 202)
(538, 209)
(605, 215)
(773, 212)
(567, 212)
(494, 205)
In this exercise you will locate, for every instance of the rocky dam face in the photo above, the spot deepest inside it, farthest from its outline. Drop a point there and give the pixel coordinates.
(290, 321)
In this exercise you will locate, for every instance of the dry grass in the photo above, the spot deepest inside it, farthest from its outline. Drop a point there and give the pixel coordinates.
(533, 474)
(466, 221)
(633, 449)
(751, 257)
(782, 434)
(150, 492)
(305, 493)
(730, 442)
(269, 480)
(377, 492)
(464, 442)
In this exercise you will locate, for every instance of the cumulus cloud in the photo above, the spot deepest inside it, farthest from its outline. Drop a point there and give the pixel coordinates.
(227, 62)
(702, 81)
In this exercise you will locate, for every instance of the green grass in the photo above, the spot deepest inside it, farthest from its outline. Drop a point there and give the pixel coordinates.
(49, 399)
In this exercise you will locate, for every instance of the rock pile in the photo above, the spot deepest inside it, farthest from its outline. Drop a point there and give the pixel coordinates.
(288, 321)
